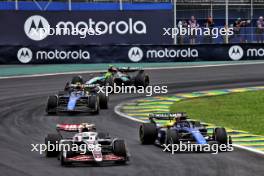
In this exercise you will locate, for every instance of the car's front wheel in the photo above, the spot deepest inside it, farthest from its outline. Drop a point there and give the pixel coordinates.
(52, 105)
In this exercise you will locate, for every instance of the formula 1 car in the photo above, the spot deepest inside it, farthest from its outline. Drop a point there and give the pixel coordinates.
(78, 99)
(86, 145)
(92, 88)
(126, 76)
(177, 129)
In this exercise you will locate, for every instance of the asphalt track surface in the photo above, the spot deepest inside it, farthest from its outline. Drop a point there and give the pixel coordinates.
(23, 121)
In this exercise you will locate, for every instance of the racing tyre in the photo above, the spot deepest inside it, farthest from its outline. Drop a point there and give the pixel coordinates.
(52, 139)
(103, 101)
(141, 80)
(69, 153)
(119, 149)
(52, 104)
(220, 135)
(148, 133)
(62, 160)
(172, 137)
(94, 104)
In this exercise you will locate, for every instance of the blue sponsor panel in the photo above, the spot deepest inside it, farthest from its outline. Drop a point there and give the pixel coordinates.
(80, 6)
(128, 53)
(84, 27)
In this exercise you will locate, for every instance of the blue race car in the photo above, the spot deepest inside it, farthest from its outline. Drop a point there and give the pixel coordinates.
(76, 99)
(178, 129)
(78, 81)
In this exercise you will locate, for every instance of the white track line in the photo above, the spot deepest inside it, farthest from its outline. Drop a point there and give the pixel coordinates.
(249, 149)
(147, 68)
(117, 111)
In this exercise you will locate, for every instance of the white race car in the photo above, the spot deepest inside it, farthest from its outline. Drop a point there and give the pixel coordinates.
(86, 146)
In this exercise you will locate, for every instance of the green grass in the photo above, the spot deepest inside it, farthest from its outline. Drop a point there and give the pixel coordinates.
(240, 111)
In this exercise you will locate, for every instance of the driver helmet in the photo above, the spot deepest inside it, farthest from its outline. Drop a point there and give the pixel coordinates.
(77, 79)
(112, 69)
(79, 86)
(86, 127)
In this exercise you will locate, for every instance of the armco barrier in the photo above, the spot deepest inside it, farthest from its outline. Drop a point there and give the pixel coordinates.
(128, 53)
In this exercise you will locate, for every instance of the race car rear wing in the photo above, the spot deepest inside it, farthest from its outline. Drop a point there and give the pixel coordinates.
(74, 127)
(68, 127)
(168, 116)
(130, 69)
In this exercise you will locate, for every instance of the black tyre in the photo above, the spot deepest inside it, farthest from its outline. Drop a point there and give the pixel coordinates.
(52, 104)
(63, 162)
(147, 133)
(172, 137)
(77, 79)
(119, 149)
(93, 103)
(52, 139)
(103, 101)
(69, 153)
(220, 135)
(141, 79)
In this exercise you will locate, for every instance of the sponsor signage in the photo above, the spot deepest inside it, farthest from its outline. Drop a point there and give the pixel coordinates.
(128, 53)
(85, 27)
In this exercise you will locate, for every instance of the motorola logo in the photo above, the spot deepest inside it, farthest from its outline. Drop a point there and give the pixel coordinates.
(24, 55)
(36, 27)
(235, 52)
(135, 54)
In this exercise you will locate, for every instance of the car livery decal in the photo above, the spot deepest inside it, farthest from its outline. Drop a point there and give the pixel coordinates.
(74, 97)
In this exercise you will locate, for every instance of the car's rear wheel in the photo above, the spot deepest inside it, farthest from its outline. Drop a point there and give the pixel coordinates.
(52, 140)
(52, 104)
(103, 100)
(141, 79)
(147, 133)
(93, 103)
